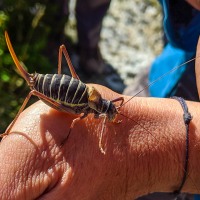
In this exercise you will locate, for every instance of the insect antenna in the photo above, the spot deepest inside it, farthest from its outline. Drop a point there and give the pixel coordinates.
(159, 78)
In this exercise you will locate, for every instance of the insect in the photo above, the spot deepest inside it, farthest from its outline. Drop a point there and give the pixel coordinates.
(69, 94)
(65, 93)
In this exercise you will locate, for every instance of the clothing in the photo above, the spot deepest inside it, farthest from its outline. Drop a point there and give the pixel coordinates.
(181, 25)
(89, 15)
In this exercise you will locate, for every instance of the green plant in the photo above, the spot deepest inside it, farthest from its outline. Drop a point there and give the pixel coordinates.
(32, 33)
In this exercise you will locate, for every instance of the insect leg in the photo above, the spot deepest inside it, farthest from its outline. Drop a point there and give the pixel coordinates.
(35, 93)
(72, 126)
(63, 50)
(19, 112)
(119, 99)
(121, 103)
(101, 136)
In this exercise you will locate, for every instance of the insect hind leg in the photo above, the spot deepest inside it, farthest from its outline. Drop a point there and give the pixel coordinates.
(63, 50)
(39, 95)
(19, 112)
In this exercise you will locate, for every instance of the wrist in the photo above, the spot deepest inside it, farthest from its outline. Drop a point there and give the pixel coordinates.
(153, 152)
(156, 147)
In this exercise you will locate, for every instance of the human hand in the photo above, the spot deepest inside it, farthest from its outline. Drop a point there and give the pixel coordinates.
(140, 158)
(36, 166)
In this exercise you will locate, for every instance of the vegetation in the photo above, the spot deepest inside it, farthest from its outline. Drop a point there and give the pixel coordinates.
(33, 28)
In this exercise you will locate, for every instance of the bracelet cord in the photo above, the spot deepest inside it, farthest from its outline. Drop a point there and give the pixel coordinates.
(187, 117)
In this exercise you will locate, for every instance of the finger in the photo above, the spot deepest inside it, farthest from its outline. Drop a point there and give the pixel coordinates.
(197, 67)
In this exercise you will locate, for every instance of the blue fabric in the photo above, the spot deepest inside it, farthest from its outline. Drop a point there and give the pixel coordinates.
(181, 48)
(196, 197)
(170, 58)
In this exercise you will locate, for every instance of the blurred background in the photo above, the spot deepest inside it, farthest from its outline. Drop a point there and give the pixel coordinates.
(131, 37)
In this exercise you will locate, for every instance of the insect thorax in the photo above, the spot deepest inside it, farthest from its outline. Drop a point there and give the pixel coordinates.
(109, 109)
(100, 105)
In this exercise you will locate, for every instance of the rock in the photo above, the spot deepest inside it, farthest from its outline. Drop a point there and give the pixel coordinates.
(132, 36)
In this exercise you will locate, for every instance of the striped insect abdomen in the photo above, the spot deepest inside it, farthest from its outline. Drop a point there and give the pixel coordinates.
(62, 88)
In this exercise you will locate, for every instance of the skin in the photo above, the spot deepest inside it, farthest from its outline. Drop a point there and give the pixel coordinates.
(143, 154)
(194, 3)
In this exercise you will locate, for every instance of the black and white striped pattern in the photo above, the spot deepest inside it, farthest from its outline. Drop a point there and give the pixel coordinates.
(62, 88)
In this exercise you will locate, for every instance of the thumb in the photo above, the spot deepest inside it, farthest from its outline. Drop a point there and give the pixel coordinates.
(197, 66)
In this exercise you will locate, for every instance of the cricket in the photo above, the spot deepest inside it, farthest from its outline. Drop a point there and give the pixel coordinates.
(65, 93)
(69, 94)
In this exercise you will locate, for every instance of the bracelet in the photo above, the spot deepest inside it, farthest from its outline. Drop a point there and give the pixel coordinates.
(187, 118)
